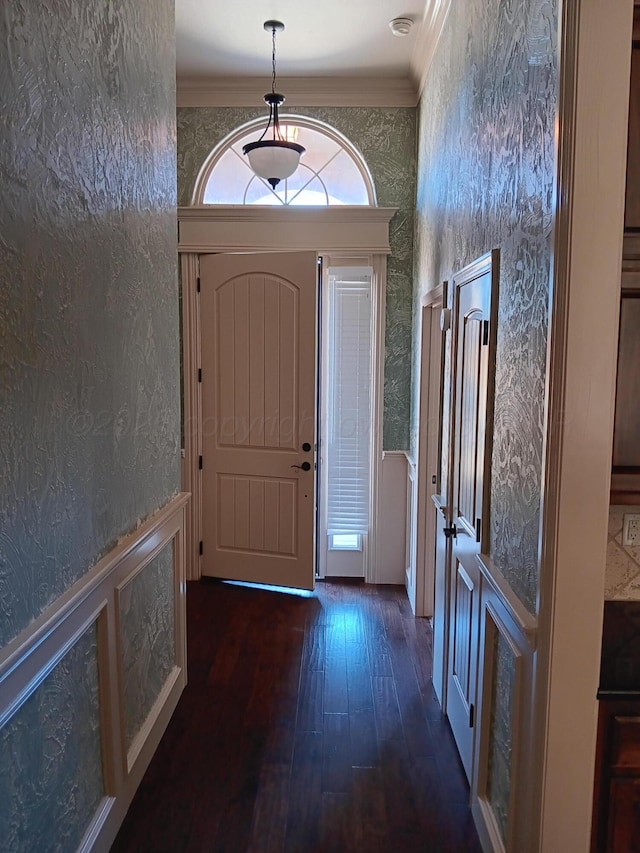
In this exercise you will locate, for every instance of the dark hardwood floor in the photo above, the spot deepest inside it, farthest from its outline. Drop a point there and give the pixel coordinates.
(308, 724)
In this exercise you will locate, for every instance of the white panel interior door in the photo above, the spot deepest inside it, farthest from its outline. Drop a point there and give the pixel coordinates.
(258, 321)
(472, 308)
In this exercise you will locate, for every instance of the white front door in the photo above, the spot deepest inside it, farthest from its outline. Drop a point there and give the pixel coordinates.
(258, 330)
(468, 498)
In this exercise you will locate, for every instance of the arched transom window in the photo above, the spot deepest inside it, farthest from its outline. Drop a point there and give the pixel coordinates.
(331, 170)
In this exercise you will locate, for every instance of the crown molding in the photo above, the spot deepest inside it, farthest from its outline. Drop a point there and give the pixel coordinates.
(426, 42)
(300, 91)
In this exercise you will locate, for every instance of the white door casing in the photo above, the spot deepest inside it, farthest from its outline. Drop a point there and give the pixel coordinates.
(341, 232)
(429, 452)
(468, 500)
(258, 318)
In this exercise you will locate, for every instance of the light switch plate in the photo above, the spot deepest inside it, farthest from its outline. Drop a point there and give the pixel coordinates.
(631, 530)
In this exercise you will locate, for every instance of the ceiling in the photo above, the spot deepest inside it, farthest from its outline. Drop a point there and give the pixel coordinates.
(330, 38)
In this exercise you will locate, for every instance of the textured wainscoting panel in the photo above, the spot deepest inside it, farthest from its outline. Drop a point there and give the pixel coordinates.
(51, 779)
(485, 181)
(386, 137)
(500, 731)
(147, 638)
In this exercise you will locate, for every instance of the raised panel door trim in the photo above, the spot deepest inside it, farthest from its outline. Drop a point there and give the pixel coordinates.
(235, 352)
(488, 263)
(464, 600)
(470, 440)
(257, 514)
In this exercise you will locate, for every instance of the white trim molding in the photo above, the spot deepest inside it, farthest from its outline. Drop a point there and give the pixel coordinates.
(426, 44)
(500, 616)
(253, 228)
(300, 91)
(26, 662)
(339, 232)
(594, 50)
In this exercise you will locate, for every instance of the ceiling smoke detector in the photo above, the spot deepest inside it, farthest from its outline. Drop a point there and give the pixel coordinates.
(401, 26)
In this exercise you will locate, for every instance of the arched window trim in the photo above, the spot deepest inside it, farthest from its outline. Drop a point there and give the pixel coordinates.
(209, 164)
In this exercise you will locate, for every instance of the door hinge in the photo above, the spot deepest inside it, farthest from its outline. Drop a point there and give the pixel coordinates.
(201, 547)
(198, 284)
(200, 462)
(199, 374)
(472, 712)
(485, 333)
(478, 529)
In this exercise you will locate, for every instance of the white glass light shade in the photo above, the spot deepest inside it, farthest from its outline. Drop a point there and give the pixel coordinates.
(272, 159)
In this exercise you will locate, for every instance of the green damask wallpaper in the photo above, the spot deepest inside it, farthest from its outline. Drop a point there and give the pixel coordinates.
(485, 181)
(386, 138)
(486, 168)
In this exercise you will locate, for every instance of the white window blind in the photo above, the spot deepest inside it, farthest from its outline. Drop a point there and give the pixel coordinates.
(349, 403)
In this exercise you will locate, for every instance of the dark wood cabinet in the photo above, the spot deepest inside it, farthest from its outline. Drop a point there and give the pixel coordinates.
(632, 204)
(624, 816)
(616, 801)
(625, 480)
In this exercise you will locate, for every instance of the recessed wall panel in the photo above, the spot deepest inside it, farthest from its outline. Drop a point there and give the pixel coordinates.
(147, 636)
(500, 731)
(51, 779)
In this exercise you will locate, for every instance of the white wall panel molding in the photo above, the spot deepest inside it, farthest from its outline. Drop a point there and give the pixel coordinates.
(392, 519)
(526, 623)
(27, 661)
(411, 532)
(300, 91)
(502, 749)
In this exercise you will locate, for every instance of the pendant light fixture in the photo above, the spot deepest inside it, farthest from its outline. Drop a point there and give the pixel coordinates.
(276, 158)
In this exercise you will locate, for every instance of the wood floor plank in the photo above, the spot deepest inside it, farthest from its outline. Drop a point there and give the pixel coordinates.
(336, 697)
(386, 709)
(335, 822)
(311, 701)
(269, 823)
(313, 654)
(363, 739)
(359, 693)
(308, 725)
(305, 795)
(368, 812)
(377, 642)
(336, 754)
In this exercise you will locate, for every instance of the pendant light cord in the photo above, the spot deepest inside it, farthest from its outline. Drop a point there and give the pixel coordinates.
(273, 60)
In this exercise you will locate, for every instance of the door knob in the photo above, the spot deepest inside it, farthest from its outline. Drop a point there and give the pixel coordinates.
(306, 466)
(306, 447)
(450, 531)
